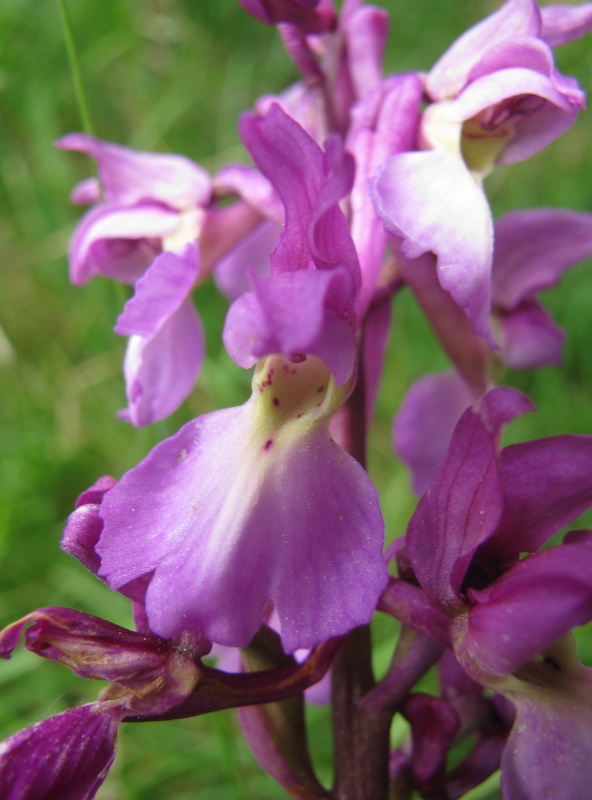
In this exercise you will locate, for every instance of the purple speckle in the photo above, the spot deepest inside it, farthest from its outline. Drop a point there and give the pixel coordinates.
(267, 445)
(276, 401)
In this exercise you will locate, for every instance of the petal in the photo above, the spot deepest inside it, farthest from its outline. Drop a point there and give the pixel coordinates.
(66, 756)
(434, 724)
(294, 313)
(563, 24)
(426, 421)
(84, 525)
(366, 32)
(167, 346)
(432, 202)
(160, 371)
(529, 338)
(547, 484)
(515, 18)
(303, 13)
(227, 514)
(382, 124)
(531, 606)
(534, 248)
(464, 503)
(129, 177)
(468, 353)
(252, 254)
(119, 242)
(311, 184)
(527, 107)
(548, 752)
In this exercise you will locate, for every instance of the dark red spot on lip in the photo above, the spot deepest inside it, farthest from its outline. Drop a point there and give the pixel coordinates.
(267, 445)
(276, 401)
(320, 389)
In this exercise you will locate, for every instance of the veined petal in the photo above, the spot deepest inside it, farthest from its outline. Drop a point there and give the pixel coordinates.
(294, 313)
(251, 255)
(161, 370)
(517, 616)
(118, 241)
(66, 756)
(464, 503)
(547, 484)
(534, 248)
(311, 184)
(432, 202)
(563, 24)
(529, 338)
(247, 504)
(166, 347)
(129, 177)
(515, 18)
(425, 423)
(548, 752)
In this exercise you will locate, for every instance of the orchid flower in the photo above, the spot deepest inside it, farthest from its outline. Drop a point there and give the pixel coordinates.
(507, 618)
(495, 97)
(257, 503)
(532, 251)
(156, 228)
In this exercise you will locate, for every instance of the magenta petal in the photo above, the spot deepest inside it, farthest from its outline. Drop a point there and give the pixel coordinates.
(166, 347)
(463, 505)
(294, 314)
(563, 24)
(226, 518)
(432, 202)
(160, 371)
(519, 616)
(425, 423)
(252, 254)
(534, 248)
(366, 31)
(516, 18)
(547, 484)
(529, 338)
(84, 525)
(66, 756)
(311, 184)
(129, 177)
(382, 124)
(117, 241)
(548, 752)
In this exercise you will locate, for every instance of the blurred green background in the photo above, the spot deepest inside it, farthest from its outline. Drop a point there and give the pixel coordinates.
(173, 75)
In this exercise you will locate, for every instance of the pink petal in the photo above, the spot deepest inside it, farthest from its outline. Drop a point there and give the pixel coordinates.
(517, 616)
(118, 241)
(563, 24)
(227, 514)
(129, 177)
(534, 248)
(66, 756)
(167, 346)
(295, 314)
(425, 423)
(514, 19)
(529, 338)
(432, 202)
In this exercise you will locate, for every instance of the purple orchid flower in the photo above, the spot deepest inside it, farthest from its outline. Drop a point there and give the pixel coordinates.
(157, 228)
(532, 251)
(496, 97)
(313, 16)
(257, 503)
(508, 617)
(69, 755)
